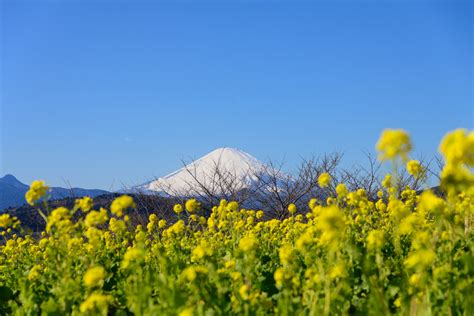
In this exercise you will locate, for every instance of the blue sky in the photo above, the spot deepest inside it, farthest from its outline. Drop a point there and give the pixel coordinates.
(99, 93)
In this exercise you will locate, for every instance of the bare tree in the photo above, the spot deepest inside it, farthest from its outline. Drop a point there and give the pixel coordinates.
(271, 188)
(275, 190)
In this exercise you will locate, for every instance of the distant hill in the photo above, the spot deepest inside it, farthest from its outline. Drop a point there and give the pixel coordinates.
(12, 192)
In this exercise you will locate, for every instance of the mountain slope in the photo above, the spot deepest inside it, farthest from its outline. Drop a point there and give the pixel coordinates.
(12, 192)
(221, 165)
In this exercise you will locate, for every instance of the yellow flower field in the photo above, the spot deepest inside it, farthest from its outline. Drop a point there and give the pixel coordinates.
(407, 254)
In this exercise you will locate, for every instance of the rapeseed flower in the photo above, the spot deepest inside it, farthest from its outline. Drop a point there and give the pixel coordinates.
(94, 276)
(341, 190)
(85, 204)
(292, 208)
(415, 168)
(192, 205)
(375, 239)
(324, 179)
(37, 190)
(95, 302)
(248, 243)
(394, 143)
(457, 147)
(122, 203)
(178, 208)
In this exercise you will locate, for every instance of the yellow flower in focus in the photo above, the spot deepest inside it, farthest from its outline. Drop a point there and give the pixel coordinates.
(122, 203)
(192, 205)
(394, 143)
(247, 243)
(153, 218)
(324, 179)
(94, 276)
(37, 190)
(162, 224)
(178, 208)
(415, 168)
(292, 208)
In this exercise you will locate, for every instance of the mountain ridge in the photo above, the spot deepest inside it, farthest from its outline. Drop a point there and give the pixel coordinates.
(12, 192)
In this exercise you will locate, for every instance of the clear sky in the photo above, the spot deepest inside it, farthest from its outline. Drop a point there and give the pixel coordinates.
(99, 93)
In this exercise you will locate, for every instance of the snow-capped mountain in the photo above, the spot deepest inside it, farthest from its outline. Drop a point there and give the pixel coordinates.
(231, 166)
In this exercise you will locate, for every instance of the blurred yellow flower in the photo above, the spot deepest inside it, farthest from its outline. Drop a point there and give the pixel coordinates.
(95, 302)
(375, 239)
(187, 312)
(457, 147)
(244, 292)
(292, 208)
(94, 276)
(85, 204)
(341, 190)
(415, 168)
(37, 190)
(192, 205)
(394, 143)
(286, 254)
(324, 179)
(122, 203)
(247, 243)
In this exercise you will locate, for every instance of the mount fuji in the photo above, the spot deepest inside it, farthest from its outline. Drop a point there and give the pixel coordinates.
(222, 164)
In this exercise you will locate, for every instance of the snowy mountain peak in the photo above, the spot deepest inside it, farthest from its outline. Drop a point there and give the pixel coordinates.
(227, 164)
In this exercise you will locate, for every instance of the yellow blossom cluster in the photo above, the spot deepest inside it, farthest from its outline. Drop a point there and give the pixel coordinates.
(403, 253)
